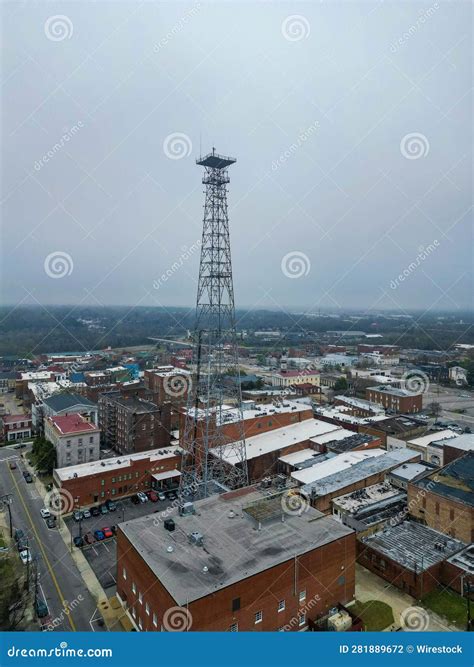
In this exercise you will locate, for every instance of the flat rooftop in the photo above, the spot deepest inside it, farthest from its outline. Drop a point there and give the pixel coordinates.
(409, 471)
(392, 391)
(168, 371)
(133, 403)
(464, 442)
(464, 559)
(358, 471)
(338, 464)
(414, 546)
(72, 423)
(279, 438)
(231, 414)
(115, 463)
(361, 403)
(436, 436)
(233, 547)
(343, 414)
(362, 498)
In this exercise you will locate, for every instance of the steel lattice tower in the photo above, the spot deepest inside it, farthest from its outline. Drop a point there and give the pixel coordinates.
(211, 406)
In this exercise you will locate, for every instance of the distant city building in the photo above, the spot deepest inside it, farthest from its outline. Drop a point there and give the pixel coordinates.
(63, 404)
(75, 439)
(398, 400)
(292, 378)
(431, 446)
(458, 375)
(7, 381)
(358, 407)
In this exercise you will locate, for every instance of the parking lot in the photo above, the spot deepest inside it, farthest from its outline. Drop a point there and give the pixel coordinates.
(102, 554)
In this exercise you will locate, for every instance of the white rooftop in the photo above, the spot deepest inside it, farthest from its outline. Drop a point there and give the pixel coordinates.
(339, 434)
(361, 403)
(354, 501)
(280, 438)
(464, 442)
(167, 371)
(298, 457)
(231, 414)
(426, 440)
(409, 471)
(343, 413)
(37, 375)
(114, 463)
(336, 464)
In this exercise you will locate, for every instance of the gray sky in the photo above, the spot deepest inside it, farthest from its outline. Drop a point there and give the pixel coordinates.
(351, 124)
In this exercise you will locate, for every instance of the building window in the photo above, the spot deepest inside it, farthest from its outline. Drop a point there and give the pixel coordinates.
(134, 588)
(281, 605)
(140, 626)
(302, 619)
(113, 492)
(91, 439)
(147, 608)
(236, 604)
(102, 482)
(302, 596)
(258, 617)
(113, 480)
(234, 627)
(124, 573)
(134, 613)
(155, 620)
(140, 598)
(102, 494)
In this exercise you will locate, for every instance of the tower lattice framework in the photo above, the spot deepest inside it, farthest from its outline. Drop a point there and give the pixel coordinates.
(213, 436)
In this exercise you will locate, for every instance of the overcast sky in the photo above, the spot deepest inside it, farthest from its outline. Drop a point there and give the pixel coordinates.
(350, 122)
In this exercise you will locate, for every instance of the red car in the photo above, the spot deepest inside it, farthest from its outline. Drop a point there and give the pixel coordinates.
(107, 532)
(152, 496)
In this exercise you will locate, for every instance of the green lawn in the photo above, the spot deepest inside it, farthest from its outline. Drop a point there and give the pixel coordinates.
(375, 615)
(448, 604)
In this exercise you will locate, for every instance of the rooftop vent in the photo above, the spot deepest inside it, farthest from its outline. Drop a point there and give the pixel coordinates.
(196, 538)
(170, 549)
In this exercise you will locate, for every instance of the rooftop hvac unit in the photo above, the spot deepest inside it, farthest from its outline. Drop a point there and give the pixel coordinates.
(196, 538)
(340, 622)
(169, 524)
(186, 509)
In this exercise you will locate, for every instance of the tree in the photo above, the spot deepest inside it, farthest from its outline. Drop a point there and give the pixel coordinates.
(434, 408)
(341, 384)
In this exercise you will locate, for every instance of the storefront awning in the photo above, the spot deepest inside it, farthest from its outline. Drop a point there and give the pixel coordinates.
(166, 475)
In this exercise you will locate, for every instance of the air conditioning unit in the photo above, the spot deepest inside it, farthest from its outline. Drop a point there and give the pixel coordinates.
(196, 539)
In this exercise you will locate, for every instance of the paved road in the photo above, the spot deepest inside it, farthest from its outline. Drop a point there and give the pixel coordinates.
(60, 582)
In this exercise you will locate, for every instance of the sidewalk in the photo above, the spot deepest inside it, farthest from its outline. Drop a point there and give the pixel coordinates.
(371, 587)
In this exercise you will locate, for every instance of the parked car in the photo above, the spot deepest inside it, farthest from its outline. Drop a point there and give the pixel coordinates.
(114, 529)
(20, 446)
(86, 514)
(77, 516)
(89, 538)
(25, 556)
(142, 497)
(22, 544)
(51, 522)
(25, 473)
(107, 532)
(45, 513)
(104, 509)
(19, 534)
(28, 479)
(99, 535)
(95, 511)
(152, 496)
(111, 506)
(78, 541)
(12, 465)
(41, 608)
(161, 495)
(171, 495)
(135, 499)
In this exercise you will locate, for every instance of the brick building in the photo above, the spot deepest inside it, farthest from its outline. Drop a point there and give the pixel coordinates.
(358, 407)
(392, 398)
(168, 384)
(75, 439)
(234, 562)
(444, 500)
(409, 556)
(120, 476)
(15, 427)
(131, 424)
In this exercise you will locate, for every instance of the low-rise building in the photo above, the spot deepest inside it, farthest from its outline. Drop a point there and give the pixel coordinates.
(408, 555)
(63, 404)
(75, 439)
(408, 472)
(293, 378)
(431, 445)
(7, 381)
(396, 399)
(120, 476)
(15, 427)
(454, 448)
(444, 500)
(358, 407)
(234, 562)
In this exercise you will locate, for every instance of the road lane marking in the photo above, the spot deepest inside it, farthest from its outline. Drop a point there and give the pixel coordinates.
(46, 560)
